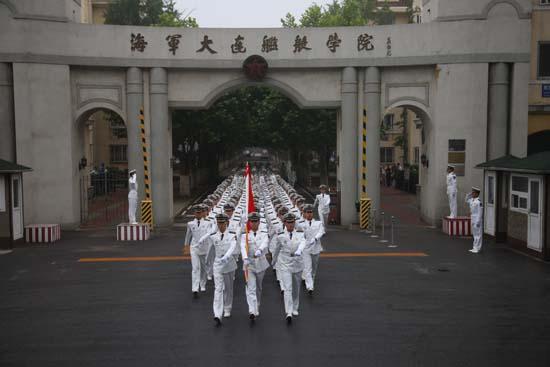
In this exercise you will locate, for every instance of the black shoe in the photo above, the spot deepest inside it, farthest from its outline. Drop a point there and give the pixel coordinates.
(252, 317)
(217, 321)
(310, 292)
(289, 320)
(195, 295)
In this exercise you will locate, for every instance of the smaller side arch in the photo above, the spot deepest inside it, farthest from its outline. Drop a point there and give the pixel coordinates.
(8, 4)
(418, 107)
(519, 9)
(92, 107)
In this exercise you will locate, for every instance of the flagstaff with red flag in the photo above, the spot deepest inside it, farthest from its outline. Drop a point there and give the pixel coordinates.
(250, 207)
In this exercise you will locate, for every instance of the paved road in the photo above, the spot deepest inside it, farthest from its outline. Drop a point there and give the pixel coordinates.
(450, 308)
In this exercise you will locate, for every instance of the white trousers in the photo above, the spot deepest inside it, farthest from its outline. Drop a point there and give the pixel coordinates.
(223, 293)
(132, 207)
(452, 203)
(198, 271)
(323, 218)
(477, 233)
(210, 264)
(254, 291)
(311, 262)
(291, 285)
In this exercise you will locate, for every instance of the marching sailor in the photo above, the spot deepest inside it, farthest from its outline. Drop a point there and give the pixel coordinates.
(222, 244)
(289, 247)
(322, 201)
(313, 231)
(196, 229)
(255, 263)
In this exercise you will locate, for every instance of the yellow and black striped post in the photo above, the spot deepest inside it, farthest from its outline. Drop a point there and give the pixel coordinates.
(147, 204)
(364, 156)
(364, 213)
(364, 202)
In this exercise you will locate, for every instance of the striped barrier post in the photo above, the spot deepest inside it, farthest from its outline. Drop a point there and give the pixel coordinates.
(147, 204)
(364, 157)
(364, 213)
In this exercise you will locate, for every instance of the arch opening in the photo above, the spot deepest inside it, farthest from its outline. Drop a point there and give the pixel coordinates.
(103, 167)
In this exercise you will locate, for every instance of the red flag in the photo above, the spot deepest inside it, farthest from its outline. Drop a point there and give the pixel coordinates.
(249, 194)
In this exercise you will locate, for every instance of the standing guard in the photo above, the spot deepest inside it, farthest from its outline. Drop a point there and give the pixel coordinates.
(451, 189)
(476, 217)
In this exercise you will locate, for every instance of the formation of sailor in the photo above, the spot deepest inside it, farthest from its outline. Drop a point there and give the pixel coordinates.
(476, 218)
(281, 231)
(451, 190)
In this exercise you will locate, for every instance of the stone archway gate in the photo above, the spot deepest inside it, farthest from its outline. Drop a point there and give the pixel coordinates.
(467, 72)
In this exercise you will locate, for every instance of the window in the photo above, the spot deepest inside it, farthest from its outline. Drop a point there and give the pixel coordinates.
(534, 198)
(457, 155)
(15, 191)
(118, 153)
(544, 2)
(388, 122)
(491, 191)
(519, 193)
(544, 60)
(386, 155)
(416, 155)
(2, 194)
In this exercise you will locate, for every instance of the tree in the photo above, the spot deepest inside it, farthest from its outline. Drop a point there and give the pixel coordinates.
(342, 13)
(147, 13)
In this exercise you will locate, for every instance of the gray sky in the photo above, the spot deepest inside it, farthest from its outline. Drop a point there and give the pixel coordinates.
(244, 13)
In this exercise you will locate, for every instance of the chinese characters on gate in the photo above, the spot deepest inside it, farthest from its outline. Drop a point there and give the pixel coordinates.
(364, 42)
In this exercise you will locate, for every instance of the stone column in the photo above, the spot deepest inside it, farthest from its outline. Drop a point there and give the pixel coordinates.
(160, 147)
(348, 149)
(7, 120)
(134, 101)
(372, 104)
(499, 98)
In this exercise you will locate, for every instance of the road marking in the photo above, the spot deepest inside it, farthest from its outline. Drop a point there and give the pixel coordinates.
(372, 254)
(333, 255)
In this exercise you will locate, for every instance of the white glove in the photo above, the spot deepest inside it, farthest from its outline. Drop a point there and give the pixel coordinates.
(246, 261)
(258, 253)
(298, 253)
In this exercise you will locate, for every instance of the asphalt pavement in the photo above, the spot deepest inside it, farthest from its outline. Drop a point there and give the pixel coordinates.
(431, 303)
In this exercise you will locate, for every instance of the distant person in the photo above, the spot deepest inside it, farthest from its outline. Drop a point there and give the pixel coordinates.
(322, 201)
(451, 190)
(476, 217)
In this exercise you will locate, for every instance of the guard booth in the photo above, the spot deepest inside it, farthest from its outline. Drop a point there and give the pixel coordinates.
(517, 202)
(11, 203)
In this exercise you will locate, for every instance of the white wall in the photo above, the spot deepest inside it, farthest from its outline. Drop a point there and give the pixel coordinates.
(45, 139)
(460, 112)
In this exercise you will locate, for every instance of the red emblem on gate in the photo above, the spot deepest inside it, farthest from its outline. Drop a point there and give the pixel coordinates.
(255, 67)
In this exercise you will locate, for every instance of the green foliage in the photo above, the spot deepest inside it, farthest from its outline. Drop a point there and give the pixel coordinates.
(147, 13)
(342, 13)
(255, 116)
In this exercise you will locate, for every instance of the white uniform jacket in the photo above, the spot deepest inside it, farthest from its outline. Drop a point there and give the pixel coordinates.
(223, 245)
(196, 230)
(256, 241)
(451, 183)
(476, 210)
(323, 200)
(313, 231)
(284, 250)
